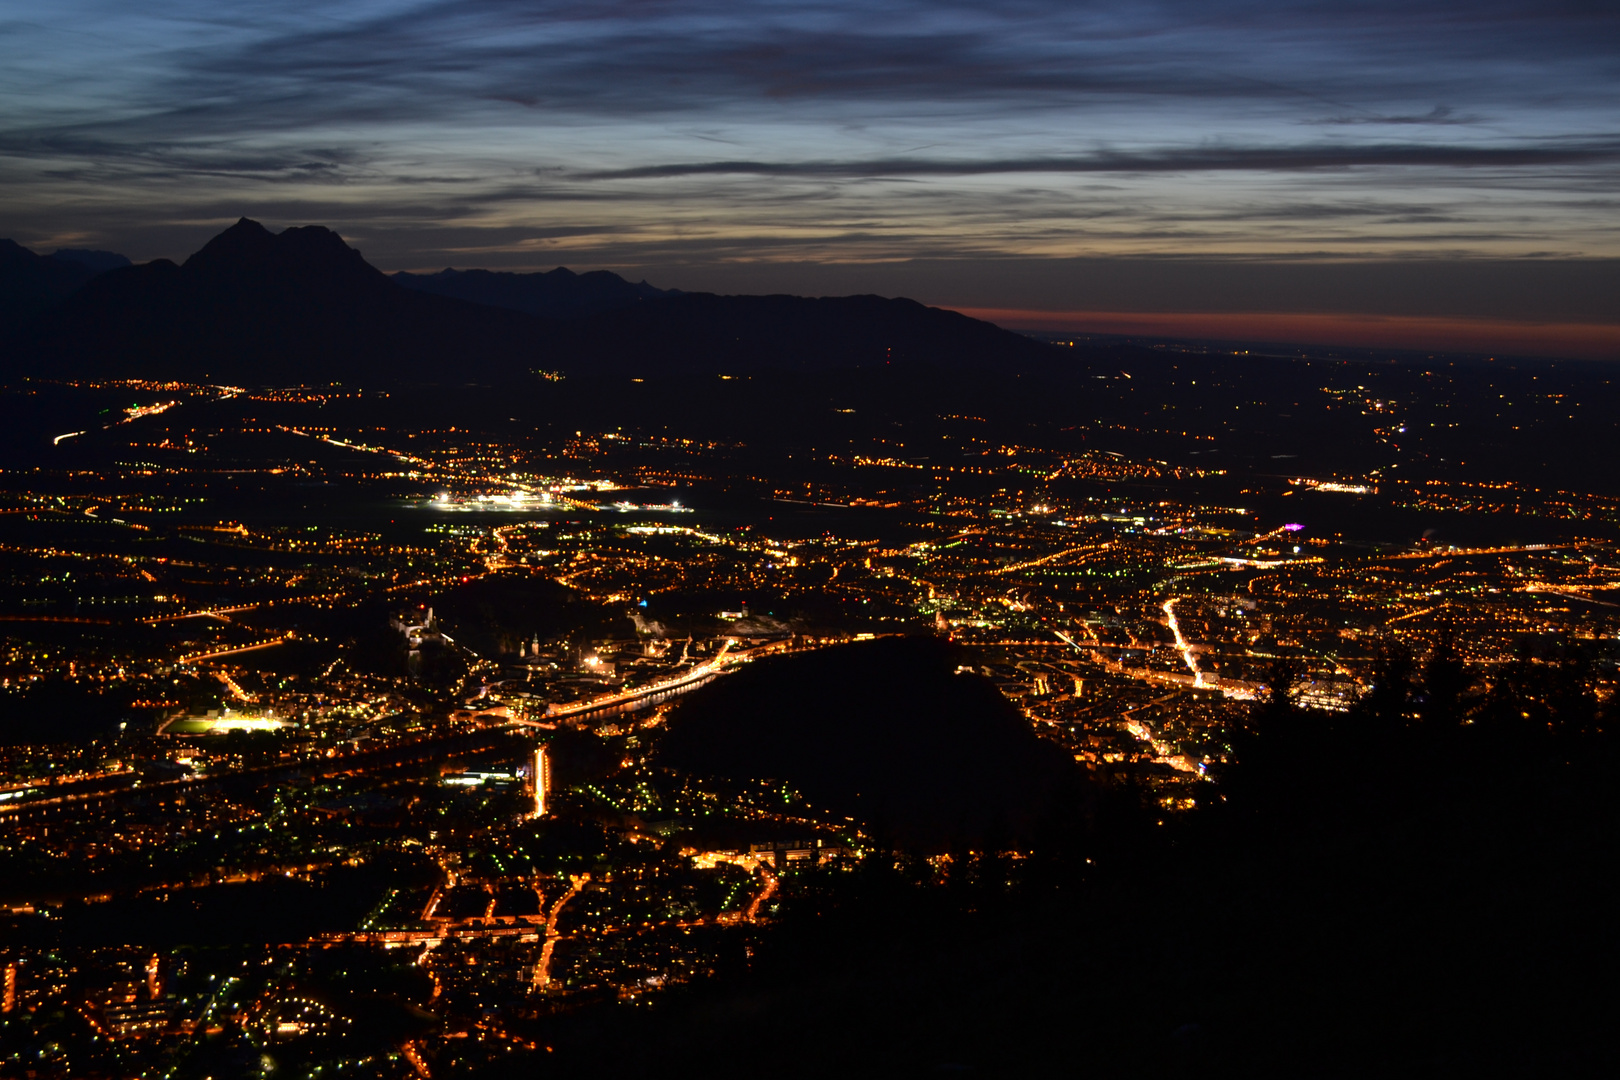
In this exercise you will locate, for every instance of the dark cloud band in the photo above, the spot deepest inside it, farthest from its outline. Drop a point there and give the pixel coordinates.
(1195, 160)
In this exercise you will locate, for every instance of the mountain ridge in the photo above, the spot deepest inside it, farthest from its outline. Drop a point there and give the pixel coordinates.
(96, 261)
(549, 294)
(255, 307)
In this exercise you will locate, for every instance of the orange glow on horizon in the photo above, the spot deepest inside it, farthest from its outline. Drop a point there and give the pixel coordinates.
(1591, 341)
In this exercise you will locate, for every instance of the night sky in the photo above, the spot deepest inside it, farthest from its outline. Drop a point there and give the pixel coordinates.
(1409, 172)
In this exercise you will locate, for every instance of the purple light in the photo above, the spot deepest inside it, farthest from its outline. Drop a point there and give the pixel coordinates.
(1292, 528)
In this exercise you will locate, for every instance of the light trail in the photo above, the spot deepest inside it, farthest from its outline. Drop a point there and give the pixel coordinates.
(199, 657)
(236, 691)
(55, 618)
(207, 613)
(542, 968)
(131, 414)
(1418, 612)
(405, 754)
(1574, 592)
(753, 864)
(1272, 535)
(523, 494)
(412, 1055)
(771, 883)
(1229, 687)
(1044, 559)
(1181, 643)
(1453, 553)
(1166, 753)
(135, 412)
(607, 701)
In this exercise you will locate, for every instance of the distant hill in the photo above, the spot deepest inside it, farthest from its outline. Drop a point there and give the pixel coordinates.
(97, 262)
(622, 327)
(31, 284)
(254, 307)
(554, 294)
(884, 732)
(702, 332)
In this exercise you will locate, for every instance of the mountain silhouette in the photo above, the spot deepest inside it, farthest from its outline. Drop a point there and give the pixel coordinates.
(254, 307)
(702, 332)
(98, 262)
(31, 284)
(554, 294)
(257, 307)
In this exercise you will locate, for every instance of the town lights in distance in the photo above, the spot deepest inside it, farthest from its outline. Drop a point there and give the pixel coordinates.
(515, 502)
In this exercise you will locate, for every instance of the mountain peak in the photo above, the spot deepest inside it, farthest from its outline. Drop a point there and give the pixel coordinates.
(245, 241)
(311, 254)
(259, 307)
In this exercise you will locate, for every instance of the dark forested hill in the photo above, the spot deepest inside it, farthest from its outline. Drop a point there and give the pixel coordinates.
(883, 731)
(1411, 889)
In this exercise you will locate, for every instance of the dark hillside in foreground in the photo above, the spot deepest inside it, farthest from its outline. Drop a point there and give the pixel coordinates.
(881, 731)
(1391, 892)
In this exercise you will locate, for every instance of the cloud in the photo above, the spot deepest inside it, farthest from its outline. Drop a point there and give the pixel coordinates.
(660, 56)
(1440, 115)
(1217, 159)
(822, 130)
(534, 60)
